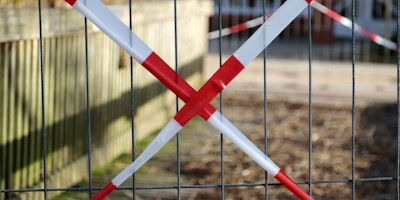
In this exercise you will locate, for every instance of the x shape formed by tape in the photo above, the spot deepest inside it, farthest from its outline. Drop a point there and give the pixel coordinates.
(196, 103)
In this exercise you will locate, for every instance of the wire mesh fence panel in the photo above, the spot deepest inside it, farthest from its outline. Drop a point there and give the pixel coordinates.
(317, 95)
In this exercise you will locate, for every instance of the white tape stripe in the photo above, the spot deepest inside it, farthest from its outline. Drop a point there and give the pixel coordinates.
(104, 19)
(319, 7)
(229, 130)
(269, 30)
(215, 34)
(254, 22)
(387, 43)
(247, 25)
(346, 22)
(161, 139)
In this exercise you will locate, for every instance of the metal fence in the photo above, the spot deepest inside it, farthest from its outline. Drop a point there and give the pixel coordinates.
(312, 50)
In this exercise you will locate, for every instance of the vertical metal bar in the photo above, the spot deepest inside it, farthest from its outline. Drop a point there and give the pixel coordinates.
(178, 158)
(2, 123)
(132, 102)
(353, 109)
(265, 112)
(310, 103)
(1, 177)
(1, 163)
(42, 82)
(398, 104)
(220, 100)
(89, 133)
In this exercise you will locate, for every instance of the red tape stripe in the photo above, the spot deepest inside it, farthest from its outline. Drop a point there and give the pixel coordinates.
(334, 15)
(105, 191)
(71, 2)
(238, 28)
(347, 22)
(155, 65)
(211, 88)
(291, 185)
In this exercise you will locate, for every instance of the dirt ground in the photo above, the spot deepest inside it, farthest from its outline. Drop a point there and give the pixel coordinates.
(287, 135)
(288, 145)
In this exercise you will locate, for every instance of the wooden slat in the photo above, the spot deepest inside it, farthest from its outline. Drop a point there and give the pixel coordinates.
(69, 98)
(18, 113)
(37, 123)
(49, 102)
(80, 100)
(60, 80)
(30, 110)
(56, 105)
(104, 70)
(25, 111)
(12, 116)
(3, 114)
(94, 66)
(61, 65)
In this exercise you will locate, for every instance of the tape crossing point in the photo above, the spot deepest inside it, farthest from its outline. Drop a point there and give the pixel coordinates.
(106, 21)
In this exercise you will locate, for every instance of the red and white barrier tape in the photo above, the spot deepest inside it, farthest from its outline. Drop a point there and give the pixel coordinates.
(318, 6)
(347, 23)
(238, 28)
(199, 102)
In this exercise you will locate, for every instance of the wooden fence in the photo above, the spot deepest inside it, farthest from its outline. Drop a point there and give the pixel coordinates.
(64, 64)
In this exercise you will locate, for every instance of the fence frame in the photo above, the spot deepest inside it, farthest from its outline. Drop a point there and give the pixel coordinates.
(90, 189)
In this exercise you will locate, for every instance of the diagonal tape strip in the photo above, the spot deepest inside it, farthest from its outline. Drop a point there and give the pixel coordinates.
(241, 58)
(378, 39)
(238, 28)
(347, 23)
(172, 126)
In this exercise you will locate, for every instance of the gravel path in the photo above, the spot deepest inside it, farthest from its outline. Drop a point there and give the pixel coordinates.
(288, 146)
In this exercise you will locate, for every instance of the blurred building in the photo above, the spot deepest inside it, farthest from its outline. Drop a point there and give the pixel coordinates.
(377, 16)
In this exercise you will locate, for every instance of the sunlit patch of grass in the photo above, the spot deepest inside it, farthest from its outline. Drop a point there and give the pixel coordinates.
(109, 169)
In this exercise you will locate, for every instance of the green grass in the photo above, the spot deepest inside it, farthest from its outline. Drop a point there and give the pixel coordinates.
(72, 195)
(111, 169)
